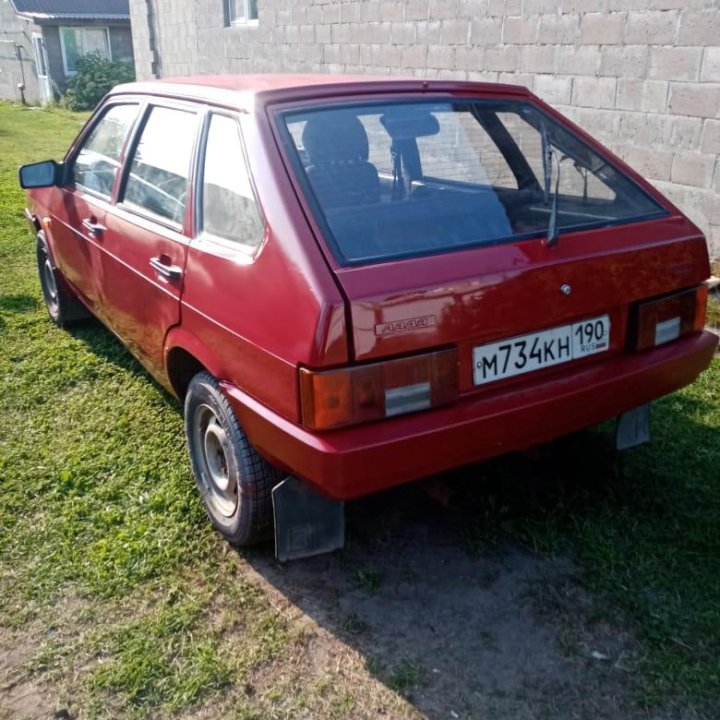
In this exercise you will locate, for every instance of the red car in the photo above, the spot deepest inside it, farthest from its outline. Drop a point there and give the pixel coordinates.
(359, 282)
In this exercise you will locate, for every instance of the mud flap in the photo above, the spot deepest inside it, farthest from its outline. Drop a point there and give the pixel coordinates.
(306, 523)
(633, 428)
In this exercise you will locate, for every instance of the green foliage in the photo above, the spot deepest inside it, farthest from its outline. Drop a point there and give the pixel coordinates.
(95, 77)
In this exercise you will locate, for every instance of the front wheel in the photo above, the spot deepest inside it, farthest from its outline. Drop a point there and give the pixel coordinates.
(62, 306)
(234, 481)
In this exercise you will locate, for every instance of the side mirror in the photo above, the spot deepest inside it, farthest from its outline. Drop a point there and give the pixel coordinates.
(38, 175)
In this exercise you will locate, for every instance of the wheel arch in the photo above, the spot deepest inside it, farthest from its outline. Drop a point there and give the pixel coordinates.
(33, 221)
(43, 236)
(184, 358)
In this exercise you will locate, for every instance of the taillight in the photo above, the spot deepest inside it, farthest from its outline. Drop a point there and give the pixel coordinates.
(655, 322)
(345, 396)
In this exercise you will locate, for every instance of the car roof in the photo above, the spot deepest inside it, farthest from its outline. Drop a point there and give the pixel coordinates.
(249, 91)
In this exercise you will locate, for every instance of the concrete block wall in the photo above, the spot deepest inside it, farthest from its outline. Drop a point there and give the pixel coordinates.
(14, 30)
(641, 75)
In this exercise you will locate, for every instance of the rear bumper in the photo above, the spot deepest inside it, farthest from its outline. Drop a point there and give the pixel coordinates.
(350, 463)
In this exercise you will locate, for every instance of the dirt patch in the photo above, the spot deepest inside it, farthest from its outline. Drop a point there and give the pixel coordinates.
(20, 697)
(27, 693)
(459, 636)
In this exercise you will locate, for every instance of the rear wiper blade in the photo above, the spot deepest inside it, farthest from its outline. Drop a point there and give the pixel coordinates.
(553, 232)
(548, 154)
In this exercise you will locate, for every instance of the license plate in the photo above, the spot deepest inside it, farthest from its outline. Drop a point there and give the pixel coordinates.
(525, 353)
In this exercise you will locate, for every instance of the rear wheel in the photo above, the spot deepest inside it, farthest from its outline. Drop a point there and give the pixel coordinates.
(234, 481)
(62, 306)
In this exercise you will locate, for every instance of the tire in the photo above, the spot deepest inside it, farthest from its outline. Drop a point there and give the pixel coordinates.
(62, 306)
(234, 482)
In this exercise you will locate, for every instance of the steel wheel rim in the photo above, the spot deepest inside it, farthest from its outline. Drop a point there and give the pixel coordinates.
(50, 286)
(212, 448)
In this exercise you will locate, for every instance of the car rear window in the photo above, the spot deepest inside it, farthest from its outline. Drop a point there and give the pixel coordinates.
(410, 178)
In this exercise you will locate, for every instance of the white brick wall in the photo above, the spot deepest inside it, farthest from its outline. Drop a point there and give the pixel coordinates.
(641, 75)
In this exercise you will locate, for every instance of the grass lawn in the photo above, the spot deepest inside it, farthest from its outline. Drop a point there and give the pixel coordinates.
(713, 313)
(130, 606)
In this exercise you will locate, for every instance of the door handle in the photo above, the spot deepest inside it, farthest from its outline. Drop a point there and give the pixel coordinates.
(93, 228)
(172, 272)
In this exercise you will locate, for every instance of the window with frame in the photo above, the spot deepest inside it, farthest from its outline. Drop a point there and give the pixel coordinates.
(96, 165)
(229, 208)
(241, 12)
(158, 178)
(76, 42)
(40, 58)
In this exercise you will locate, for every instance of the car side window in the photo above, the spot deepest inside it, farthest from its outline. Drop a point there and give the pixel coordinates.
(160, 166)
(96, 165)
(229, 209)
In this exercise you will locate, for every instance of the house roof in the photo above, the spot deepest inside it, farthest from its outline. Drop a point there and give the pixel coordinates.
(73, 9)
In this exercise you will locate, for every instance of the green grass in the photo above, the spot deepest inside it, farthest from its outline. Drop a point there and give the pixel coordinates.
(103, 539)
(643, 525)
(713, 310)
(97, 500)
(406, 675)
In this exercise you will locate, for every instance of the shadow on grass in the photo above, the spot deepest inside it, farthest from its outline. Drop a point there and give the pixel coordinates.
(103, 343)
(18, 303)
(434, 588)
(438, 589)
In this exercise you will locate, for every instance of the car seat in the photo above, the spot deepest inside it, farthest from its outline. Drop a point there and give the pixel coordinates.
(339, 172)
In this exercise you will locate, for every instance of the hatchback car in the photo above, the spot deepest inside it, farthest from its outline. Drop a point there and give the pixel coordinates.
(357, 283)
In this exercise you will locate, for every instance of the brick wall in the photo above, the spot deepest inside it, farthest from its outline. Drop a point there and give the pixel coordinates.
(641, 75)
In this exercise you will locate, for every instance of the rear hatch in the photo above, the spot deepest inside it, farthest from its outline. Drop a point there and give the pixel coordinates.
(475, 298)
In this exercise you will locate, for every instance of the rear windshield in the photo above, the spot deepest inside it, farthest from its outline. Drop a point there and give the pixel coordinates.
(411, 178)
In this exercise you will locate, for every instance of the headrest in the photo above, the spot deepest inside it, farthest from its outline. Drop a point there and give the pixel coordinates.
(410, 123)
(335, 136)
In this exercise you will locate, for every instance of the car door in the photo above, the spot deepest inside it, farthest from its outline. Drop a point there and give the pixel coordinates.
(78, 216)
(224, 300)
(145, 241)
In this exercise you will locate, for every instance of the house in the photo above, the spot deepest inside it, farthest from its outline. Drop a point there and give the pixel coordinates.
(642, 76)
(41, 41)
